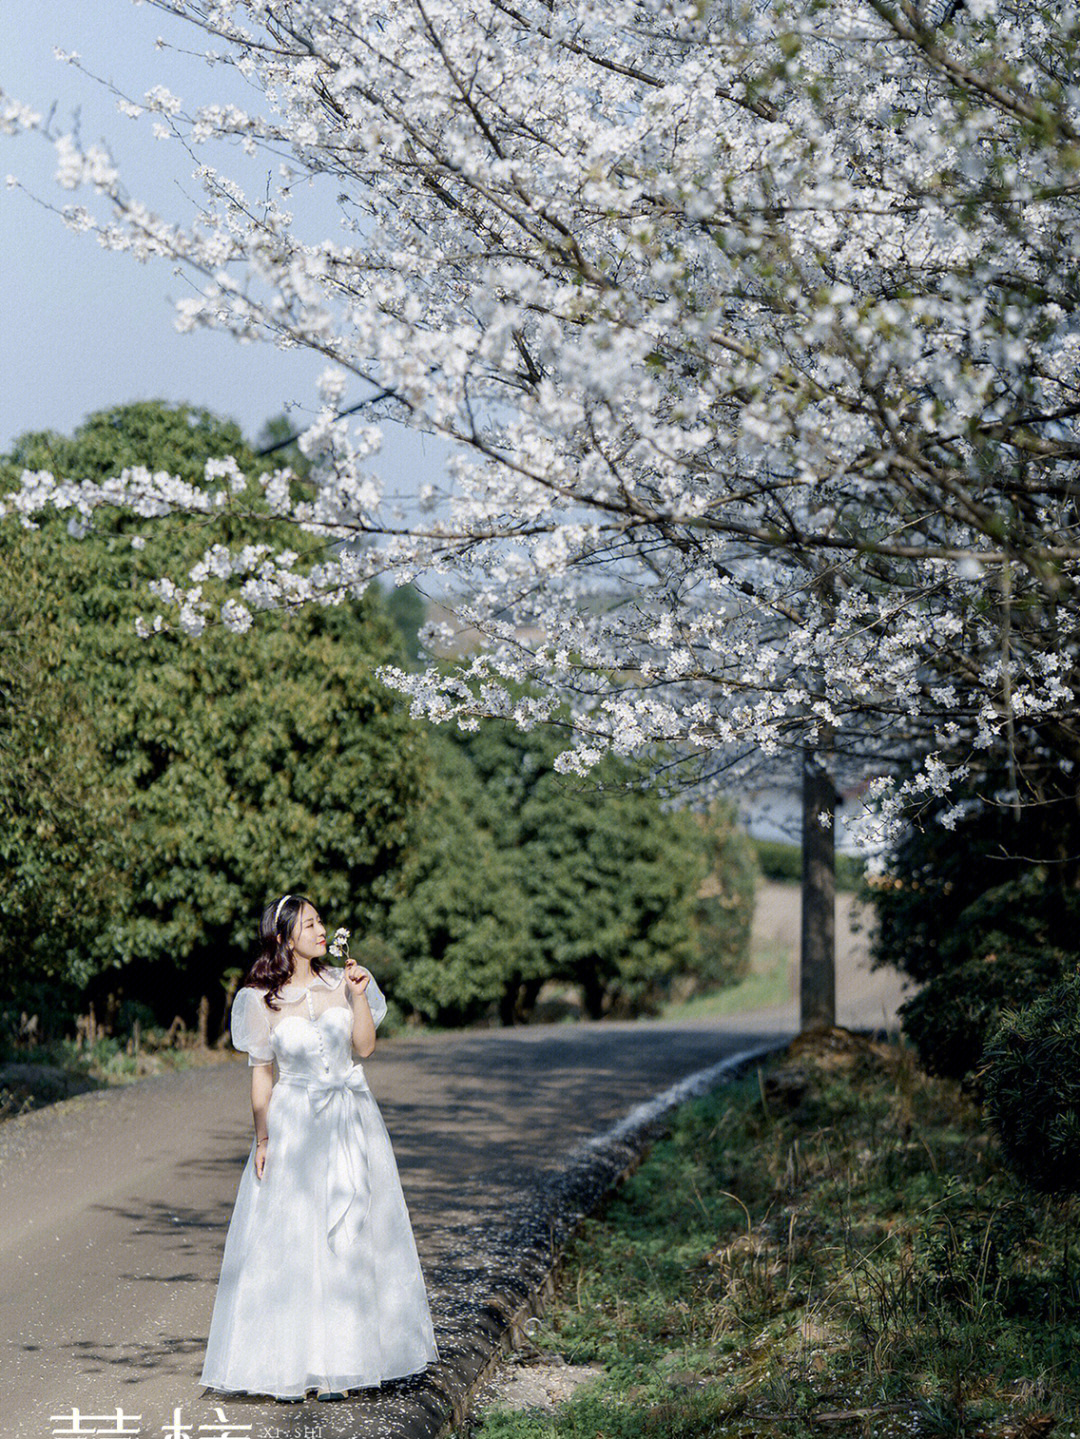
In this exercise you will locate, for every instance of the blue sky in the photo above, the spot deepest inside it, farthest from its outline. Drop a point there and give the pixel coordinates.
(84, 328)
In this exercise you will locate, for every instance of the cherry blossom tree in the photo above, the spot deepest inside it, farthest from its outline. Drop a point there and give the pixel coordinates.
(753, 333)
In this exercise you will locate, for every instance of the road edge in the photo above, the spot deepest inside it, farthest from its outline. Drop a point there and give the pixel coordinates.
(528, 1251)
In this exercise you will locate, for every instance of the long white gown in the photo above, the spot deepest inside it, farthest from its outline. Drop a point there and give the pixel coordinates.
(321, 1286)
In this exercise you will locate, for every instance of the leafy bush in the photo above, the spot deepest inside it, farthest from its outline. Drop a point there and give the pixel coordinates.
(1002, 957)
(779, 861)
(1032, 1089)
(783, 863)
(972, 916)
(950, 1019)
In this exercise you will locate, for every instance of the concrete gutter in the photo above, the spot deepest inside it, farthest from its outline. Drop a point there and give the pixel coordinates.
(520, 1261)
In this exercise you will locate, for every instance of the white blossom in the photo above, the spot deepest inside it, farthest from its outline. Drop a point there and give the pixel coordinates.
(756, 363)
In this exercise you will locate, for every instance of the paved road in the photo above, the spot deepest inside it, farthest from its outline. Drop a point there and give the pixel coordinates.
(114, 1205)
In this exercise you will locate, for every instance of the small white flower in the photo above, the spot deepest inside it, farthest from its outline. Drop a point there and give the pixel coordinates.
(339, 945)
(235, 616)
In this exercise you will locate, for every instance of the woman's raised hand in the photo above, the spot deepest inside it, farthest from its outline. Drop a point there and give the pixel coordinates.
(358, 978)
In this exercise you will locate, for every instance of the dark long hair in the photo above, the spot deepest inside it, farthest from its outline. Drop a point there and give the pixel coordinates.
(271, 966)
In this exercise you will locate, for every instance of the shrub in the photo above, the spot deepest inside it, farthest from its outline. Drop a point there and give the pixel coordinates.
(980, 926)
(783, 863)
(950, 1019)
(1002, 951)
(1032, 1089)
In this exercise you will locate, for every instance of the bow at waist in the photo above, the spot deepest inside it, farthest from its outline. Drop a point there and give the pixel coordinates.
(323, 1090)
(348, 1181)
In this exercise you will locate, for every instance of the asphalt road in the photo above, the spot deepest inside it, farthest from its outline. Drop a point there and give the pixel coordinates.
(114, 1205)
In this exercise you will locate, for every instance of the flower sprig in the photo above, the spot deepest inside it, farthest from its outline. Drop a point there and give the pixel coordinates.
(339, 945)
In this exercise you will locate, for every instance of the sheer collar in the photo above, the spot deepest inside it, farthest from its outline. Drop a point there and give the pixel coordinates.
(326, 980)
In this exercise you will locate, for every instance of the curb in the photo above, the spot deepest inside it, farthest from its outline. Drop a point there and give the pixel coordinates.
(522, 1259)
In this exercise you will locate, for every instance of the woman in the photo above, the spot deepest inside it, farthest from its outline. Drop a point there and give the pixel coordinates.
(320, 1285)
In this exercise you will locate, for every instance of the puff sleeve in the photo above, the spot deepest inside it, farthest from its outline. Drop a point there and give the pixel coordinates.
(374, 996)
(249, 1028)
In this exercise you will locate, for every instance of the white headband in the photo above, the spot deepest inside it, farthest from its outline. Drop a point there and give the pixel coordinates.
(277, 912)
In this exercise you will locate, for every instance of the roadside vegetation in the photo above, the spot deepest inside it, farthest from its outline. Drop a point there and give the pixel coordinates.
(783, 862)
(160, 789)
(830, 1245)
(767, 983)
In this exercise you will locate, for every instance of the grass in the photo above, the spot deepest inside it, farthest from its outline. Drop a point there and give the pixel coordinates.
(833, 1236)
(767, 984)
(37, 1076)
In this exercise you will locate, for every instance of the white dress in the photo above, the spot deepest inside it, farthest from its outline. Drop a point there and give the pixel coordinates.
(320, 1284)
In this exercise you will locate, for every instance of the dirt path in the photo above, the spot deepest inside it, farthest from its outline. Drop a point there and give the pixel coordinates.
(115, 1204)
(865, 998)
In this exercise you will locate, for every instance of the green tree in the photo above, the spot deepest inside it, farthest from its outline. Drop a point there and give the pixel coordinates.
(58, 857)
(724, 908)
(525, 875)
(238, 766)
(459, 933)
(408, 610)
(277, 443)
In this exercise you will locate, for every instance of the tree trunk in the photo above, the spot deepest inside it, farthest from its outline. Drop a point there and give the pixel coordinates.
(527, 997)
(508, 1003)
(817, 968)
(518, 1000)
(592, 994)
